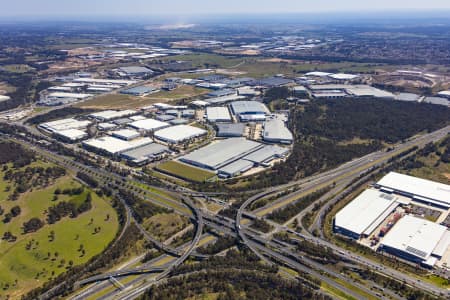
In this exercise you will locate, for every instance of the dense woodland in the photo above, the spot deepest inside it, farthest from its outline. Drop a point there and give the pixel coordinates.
(324, 133)
(15, 154)
(238, 275)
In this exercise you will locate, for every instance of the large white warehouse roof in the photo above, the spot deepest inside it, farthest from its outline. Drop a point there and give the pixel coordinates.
(149, 124)
(112, 114)
(414, 236)
(365, 212)
(179, 133)
(218, 114)
(114, 145)
(420, 189)
(222, 153)
(64, 124)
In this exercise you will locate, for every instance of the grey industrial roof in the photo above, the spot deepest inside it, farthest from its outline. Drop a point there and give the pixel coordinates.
(220, 93)
(122, 121)
(267, 153)
(275, 129)
(139, 90)
(217, 155)
(142, 153)
(220, 113)
(165, 118)
(437, 100)
(135, 70)
(179, 122)
(236, 167)
(407, 97)
(248, 107)
(226, 130)
(274, 81)
(224, 99)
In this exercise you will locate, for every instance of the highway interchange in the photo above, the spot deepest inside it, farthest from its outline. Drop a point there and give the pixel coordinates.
(266, 248)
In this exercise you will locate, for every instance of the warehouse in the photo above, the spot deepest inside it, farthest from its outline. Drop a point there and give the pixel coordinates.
(108, 115)
(113, 146)
(219, 154)
(106, 126)
(4, 98)
(126, 134)
(70, 135)
(165, 118)
(135, 71)
(230, 130)
(179, 133)
(275, 131)
(149, 125)
(437, 101)
(140, 91)
(104, 81)
(420, 190)
(273, 82)
(218, 114)
(221, 93)
(249, 110)
(145, 154)
(267, 154)
(64, 124)
(224, 99)
(235, 169)
(417, 240)
(364, 214)
(179, 121)
(62, 95)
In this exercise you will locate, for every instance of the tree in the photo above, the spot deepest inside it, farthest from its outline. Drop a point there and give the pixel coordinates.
(33, 225)
(15, 211)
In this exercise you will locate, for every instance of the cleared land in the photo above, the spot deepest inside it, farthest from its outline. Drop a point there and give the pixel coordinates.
(17, 68)
(184, 171)
(163, 226)
(121, 101)
(35, 258)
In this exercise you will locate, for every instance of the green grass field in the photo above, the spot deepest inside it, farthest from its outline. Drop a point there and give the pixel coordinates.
(22, 269)
(184, 171)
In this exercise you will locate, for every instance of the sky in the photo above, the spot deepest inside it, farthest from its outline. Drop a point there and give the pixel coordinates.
(58, 8)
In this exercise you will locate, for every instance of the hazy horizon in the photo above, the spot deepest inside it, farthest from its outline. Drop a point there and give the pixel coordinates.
(115, 8)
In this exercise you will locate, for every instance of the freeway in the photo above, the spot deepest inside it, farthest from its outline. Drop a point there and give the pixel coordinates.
(337, 176)
(345, 172)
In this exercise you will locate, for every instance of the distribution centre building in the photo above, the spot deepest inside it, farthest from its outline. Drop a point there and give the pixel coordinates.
(71, 135)
(126, 134)
(275, 131)
(417, 240)
(364, 214)
(179, 133)
(113, 146)
(230, 130)
(145, 154)
(419, 190)
(249, 110)
(149, 125)
(221, 153)
(218, 114)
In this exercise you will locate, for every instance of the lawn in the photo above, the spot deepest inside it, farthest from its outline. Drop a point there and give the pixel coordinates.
(25, 269)
(184, 171)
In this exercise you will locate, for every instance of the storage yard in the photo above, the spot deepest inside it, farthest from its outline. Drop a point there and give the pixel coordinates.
(403, 216)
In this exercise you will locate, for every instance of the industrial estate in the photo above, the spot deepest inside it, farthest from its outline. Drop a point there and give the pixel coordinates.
(257, 160)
